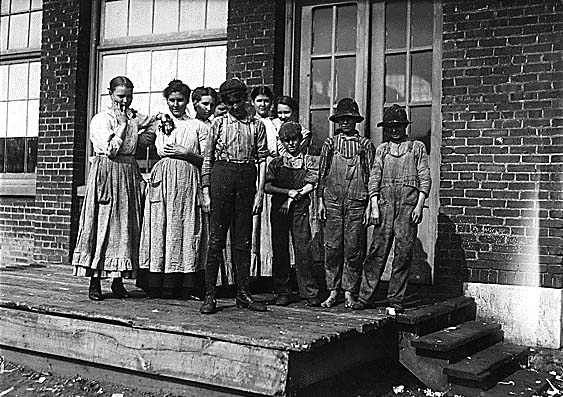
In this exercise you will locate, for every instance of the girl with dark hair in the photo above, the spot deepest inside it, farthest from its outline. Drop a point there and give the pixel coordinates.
(172, 223)
(262, 254)
(110, 222)
(287, 109)
(204, 100)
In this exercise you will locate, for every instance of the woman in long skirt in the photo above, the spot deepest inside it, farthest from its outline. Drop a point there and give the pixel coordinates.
(110, 222)
(172, 223)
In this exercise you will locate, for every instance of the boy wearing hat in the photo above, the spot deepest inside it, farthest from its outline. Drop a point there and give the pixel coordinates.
(344, 168)
(399, 183)
(289, 179)
(236, 142)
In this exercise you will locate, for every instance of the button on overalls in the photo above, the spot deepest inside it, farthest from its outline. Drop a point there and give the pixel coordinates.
(398, 196)
(345, 200)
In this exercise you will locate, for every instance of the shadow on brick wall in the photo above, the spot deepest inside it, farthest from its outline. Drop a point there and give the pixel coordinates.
(450, 263)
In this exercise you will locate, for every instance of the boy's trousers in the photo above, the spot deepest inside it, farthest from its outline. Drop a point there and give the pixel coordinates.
(232, 188)
(296, 221)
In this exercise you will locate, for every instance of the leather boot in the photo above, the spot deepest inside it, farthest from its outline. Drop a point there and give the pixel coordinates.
(209, 304)
(245, 301)
(95, 289)
(118, 289)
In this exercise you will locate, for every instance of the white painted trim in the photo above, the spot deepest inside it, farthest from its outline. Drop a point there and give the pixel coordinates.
(531, 316)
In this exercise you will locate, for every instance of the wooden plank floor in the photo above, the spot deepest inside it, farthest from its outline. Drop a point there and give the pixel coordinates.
(45, 310)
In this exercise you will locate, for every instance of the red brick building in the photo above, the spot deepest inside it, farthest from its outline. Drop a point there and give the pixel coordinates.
(482, 82)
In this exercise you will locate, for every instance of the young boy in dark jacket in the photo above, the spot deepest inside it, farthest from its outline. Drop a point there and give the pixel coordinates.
(289, 179)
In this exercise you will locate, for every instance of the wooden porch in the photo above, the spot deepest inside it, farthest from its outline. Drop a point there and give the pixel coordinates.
(46, 320)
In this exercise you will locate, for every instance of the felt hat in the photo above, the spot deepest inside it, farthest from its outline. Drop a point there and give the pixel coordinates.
(394, 115)
(347, 107)
(232, 87)
(290, 129)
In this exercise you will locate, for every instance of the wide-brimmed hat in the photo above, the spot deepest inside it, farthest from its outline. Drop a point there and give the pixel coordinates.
(394, 115)
(347, 107)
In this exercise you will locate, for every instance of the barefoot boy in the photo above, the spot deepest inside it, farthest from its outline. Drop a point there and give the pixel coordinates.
(342, 202)
(289, 179)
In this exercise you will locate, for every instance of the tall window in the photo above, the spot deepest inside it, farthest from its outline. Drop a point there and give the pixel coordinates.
(155, 41)
(20, 50)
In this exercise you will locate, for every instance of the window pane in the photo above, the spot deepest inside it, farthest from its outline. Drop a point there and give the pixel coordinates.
(139, 70)
(35, 4)
(3, 120)
(192, 15)
(34, 79)
(346, 28)
(18, 35)
(5, 6)
(115, 19)
(3, 82)
(345, 78)
(395, 24)
(319, 130)
(215, 66)
(112, 66)
(140, 18)
(421, 81)
(322, 30)
(35, 30)
(33, 118)
(31, 154)
(19, 5)
(420, 129)
(141, 103)
(15, 153)
(2, 151)
(164, 69)
(395, 78)
(17, 81)
(17, 119)
(4, 33)
(166, 16)
(217, 14)
(191, 66)
(422, 17)
(157, 103)
(321, 86)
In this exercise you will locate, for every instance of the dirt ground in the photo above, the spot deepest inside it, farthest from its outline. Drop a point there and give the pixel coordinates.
(20, 381)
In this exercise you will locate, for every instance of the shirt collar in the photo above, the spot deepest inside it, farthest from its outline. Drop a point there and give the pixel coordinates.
(247, 120)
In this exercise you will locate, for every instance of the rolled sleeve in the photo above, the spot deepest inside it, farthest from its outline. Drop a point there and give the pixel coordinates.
(423, 168)
(311, 171)
(102, 136)
(376, 171)
(324, 165)
(209, 156)
(262, 151)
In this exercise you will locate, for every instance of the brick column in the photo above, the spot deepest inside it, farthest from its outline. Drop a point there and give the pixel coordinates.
(255, 34)
(62, 126)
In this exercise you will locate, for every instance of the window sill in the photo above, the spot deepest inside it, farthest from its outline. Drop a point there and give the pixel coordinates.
(17, 184)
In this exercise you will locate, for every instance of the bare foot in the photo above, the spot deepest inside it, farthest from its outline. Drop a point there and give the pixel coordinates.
(349, 300)
(331, 300)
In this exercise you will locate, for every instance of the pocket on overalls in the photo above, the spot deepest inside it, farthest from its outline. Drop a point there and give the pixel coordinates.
(410, 192)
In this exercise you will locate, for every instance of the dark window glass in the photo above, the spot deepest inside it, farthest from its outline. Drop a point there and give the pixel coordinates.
(31, 154)
(15, 154)
(421, 76)
(395, 24)
(395, 71)
(2, 151)
(319, 129)
(346, 28)
(345, 78)
(322, 30)
(421, 125)
(422, 16)
(320, 82)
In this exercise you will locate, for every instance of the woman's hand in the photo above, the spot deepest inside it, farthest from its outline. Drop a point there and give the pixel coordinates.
(120, 112)
(174, 150)
(258, 203)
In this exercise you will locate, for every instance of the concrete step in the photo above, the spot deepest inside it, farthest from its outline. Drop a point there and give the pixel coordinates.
(454, 343)
(485, 368)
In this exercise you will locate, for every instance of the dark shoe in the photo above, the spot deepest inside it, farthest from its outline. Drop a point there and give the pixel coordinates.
(245, 301)
(282, 300)
(209, 305)
(313, 302)
(118, 289)
(95, 289)
(359, 305)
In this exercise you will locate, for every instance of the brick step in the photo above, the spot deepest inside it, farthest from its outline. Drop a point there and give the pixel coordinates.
(454, 343)
(522, 383)
(485, 368)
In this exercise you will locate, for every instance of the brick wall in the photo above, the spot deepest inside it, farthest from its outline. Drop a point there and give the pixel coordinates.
(255, 35)
(16, 230)
(501, 182)
(62, 126)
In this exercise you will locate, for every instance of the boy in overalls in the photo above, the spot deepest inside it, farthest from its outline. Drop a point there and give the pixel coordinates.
(399, 183)
(290, 179)
(342, 202)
